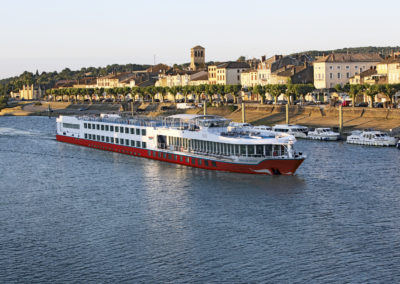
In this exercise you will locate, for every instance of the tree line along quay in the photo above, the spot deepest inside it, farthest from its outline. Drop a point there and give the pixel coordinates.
(291, 93)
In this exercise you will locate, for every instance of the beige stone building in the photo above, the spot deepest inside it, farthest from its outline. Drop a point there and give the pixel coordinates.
(227, 73)
(249, 78)
(197, 57)
(393, 71)
(200, 78)
(30, 92)
(370, 76)
(294, 74)
(125, 79)
(181, 78)
(269, 68)
(338, 68)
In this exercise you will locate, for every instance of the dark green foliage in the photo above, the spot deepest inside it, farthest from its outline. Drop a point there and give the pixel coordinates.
(387, 50)
(48, 79)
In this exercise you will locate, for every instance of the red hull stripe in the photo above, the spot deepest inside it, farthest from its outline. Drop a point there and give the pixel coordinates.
(266, 167)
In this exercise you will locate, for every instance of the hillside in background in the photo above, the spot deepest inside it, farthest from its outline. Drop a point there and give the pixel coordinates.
(385, 51)
(48, 79)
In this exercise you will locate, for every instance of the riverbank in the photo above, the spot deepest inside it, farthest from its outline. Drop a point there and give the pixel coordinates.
(312, 116)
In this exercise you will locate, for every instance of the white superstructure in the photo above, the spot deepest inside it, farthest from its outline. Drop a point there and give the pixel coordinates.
(325, 134)
(372, 138)
(297, 131)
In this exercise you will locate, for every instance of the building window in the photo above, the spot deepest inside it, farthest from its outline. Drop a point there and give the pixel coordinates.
(98, 126)
(132, 130)
(98, 137)
(107, 139)
(338, 75)
(102, 127)
(348, 75)
(137, 131)
(126, 130)
(89, 126)
(330, 67)
(102, 138)
(116, 141)
(356, 67)
(138, 144)
(85, 125)
(116, 128)
(144, 146)
(338, 67)
(133, 143)
(330, 76)
(86, 136)
(127, 142)
(111, 128)
(347, 67)
(143, 132)
(214, 164)
(106, 127)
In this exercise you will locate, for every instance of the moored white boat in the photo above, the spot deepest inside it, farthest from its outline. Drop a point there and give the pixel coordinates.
(325, 134)
(371, 138)
(297, 131)
(192, 140)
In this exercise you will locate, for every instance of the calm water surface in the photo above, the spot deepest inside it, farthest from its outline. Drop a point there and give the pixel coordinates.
(73, 214)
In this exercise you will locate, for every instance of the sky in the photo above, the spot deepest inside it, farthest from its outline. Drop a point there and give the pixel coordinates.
(50, 35)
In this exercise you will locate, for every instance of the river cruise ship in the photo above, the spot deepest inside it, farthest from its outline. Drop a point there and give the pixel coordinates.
(201, 141)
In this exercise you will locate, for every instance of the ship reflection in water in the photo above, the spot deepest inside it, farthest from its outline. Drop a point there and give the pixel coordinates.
(76, 214)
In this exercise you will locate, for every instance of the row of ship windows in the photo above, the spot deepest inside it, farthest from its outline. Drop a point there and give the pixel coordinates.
(181, 158)
(224, 148)
(120, 141)
(121, 129)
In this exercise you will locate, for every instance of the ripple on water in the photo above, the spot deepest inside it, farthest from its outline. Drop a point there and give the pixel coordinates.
(72, 214)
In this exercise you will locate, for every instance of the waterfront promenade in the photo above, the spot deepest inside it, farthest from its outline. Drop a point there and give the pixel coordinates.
(312, 116)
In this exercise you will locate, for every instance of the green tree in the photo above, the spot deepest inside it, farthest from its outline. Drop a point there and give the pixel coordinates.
(260, 90)
(277, 90)
(371, 91)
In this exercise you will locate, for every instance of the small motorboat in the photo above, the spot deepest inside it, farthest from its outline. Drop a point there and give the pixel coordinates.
(325, 134)
(371, 138)
(297, 131)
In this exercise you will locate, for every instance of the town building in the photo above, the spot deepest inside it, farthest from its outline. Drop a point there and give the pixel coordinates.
(199, 78)
(370, 76)
(249, 78)
(338, 68)
(276, 64)
(212, 74)
(29, 92)
(178, 77)
(393, 71)
(227, 73)
(197, 57)
(294, 74)
(116, 80)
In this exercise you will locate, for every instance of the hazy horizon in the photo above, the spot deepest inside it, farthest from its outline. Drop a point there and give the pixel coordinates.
(49, 37)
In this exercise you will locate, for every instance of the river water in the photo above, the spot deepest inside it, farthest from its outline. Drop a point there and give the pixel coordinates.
(74, 214)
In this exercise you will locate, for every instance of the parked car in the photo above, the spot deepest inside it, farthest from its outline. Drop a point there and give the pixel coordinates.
(363, 104)
(378, 105)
